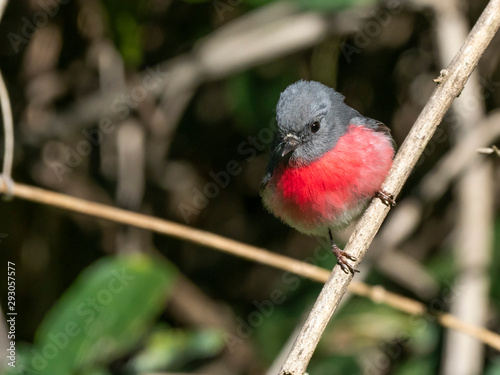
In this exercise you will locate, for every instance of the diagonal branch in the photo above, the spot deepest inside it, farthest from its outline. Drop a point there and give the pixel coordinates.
(450, 84)
(252, 253)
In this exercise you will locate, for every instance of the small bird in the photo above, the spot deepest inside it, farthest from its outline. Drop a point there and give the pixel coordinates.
(327, 162)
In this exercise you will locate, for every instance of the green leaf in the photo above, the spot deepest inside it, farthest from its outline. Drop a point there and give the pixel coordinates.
(129, 32)
(126, 20)
(104, 314)
(169, 349)
(494, 368)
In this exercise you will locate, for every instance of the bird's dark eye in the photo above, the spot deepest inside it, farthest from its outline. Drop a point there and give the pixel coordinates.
(315, 126)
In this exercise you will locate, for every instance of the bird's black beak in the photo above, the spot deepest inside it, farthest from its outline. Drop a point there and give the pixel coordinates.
(291, 143)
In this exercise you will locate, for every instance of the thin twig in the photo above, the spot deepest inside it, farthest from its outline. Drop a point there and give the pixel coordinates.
(489, 150)
(256, 254)
(452, 82)
(8, 129)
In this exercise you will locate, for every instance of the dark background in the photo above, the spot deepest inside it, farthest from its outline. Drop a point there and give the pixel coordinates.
(63, 76)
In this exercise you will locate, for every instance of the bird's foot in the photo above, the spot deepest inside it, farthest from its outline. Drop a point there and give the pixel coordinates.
(386, 198)
(342, 259)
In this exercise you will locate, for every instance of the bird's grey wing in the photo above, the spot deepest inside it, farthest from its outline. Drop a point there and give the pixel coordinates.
(375, 125)
(372, 124)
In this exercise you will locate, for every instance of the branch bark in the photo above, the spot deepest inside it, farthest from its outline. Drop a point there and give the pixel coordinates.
(450, 84)
(376, 293)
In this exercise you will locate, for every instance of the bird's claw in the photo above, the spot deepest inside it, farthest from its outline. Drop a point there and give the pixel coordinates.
(342, 260)
(386, 198)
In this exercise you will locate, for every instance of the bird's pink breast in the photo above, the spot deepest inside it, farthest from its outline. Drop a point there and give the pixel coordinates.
(319, 193)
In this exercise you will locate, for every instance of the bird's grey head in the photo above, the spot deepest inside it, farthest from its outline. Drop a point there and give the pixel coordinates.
(311, 118)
